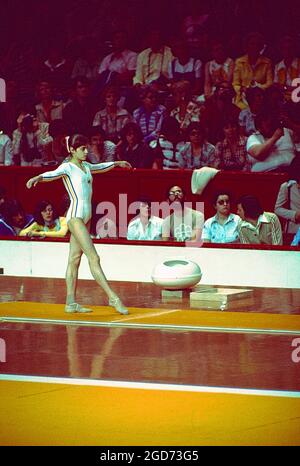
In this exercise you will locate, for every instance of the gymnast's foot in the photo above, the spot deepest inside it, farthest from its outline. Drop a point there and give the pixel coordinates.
(118, 305)
(75, 307)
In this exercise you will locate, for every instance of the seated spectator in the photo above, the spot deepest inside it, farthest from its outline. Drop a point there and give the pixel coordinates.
(47, 109)
(47, 224)
(296, 240)
(287, 113)
(224, 226)
(88, 63)
(133, 149)
(289, 67)
(100, 150)
(14, 219)
(183, 67)
(150, 114)
(168, 145)
(231, 153)
(31, 141)
(255, 99)
(218, 70)
(186, 111)
(79, 112)
(153, 62)
(257, 226)
(121, 61)
(184, 224)
(144, 226)
(271, 147)
(56, 70)
(287, 205)
(6, 150)
(197, 152)
(218, 109)
(252, 69)
(112, 118)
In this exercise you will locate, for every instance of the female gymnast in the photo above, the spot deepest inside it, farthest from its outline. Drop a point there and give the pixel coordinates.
(77, 178)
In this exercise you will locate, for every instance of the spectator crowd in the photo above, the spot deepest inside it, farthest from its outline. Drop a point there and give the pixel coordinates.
(182, 101)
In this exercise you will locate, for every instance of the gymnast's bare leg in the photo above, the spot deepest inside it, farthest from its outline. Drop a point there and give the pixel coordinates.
(81, 242)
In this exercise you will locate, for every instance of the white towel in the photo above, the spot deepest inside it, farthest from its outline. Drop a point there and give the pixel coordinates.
(201, 177)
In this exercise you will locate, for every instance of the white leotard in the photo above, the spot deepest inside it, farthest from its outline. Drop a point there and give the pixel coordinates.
(78, 183)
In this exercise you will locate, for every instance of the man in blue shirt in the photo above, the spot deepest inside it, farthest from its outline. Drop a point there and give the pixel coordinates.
(223, 227)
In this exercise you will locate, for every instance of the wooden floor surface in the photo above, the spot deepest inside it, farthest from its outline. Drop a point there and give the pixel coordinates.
(147, 295)
(203, 377)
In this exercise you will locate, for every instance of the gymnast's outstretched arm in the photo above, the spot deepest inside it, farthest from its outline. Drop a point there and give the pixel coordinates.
(48, 176)
(107, 166)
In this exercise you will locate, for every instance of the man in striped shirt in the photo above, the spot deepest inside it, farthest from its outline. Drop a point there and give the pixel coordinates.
(257, 226)
(149, 116)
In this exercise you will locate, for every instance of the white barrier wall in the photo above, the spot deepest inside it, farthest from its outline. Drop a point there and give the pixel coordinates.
(278, 269)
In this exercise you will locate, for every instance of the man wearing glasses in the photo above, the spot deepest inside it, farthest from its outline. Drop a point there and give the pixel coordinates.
(224, 226)
(184, 224)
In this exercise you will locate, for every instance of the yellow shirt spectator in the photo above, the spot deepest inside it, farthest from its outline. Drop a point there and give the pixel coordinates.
(245, 75)
(59, 229)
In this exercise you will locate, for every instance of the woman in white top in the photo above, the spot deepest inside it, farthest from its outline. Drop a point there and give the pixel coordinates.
(77, 178)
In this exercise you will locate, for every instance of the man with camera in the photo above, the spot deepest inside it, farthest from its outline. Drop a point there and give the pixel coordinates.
(271, 148)
(30, 141)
